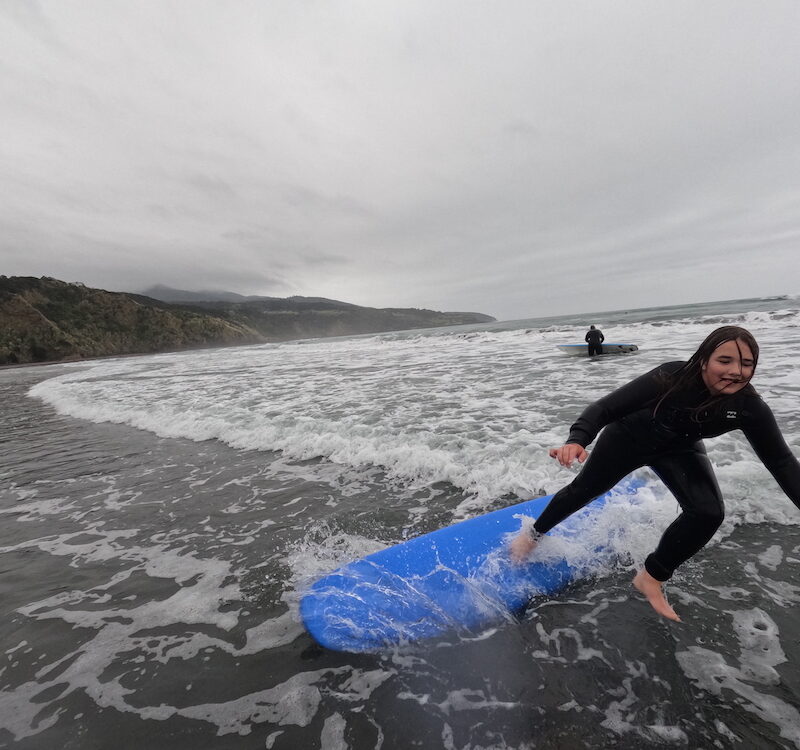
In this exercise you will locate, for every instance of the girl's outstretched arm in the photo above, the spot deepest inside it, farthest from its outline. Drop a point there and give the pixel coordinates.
(761, 429)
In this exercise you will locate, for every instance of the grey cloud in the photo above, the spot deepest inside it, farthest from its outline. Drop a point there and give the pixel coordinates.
(281, 249)
(537, 160)
(306, 198)
(214, 188)
(28, 14)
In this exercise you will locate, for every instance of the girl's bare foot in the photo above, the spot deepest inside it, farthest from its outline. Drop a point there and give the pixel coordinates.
(654, 592)
(521, 547)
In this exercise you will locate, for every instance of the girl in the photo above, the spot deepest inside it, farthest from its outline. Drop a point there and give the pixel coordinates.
(659, 420)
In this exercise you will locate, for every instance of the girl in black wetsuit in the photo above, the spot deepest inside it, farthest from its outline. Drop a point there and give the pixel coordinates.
(659, 420)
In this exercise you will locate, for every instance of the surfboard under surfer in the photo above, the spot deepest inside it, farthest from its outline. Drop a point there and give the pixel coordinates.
(659, 420)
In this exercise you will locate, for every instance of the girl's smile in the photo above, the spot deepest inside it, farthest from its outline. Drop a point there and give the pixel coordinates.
(729, 368)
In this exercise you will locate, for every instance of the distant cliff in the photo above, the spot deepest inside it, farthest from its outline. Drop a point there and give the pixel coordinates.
(43, 320)
(285, 319)
(46, 320)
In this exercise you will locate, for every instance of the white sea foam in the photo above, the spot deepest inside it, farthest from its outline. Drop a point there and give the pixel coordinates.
(761, 652)
(205, 589)
(772, 557)
(477, 410)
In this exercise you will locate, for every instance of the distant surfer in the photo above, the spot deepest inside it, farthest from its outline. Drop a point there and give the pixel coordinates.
(659, 420)
(594, 338)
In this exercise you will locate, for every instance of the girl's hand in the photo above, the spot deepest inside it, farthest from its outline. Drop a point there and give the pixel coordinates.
(566, 454)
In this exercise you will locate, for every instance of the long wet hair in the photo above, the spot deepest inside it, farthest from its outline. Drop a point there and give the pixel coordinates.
(693, 369)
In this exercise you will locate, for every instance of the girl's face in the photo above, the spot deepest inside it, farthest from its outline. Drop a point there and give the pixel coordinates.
(729, 368)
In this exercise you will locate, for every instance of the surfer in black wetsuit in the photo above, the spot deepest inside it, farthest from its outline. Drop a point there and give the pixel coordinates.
(594, 337)
(659, 420)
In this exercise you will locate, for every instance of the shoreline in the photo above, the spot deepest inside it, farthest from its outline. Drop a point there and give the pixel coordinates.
(79, 360)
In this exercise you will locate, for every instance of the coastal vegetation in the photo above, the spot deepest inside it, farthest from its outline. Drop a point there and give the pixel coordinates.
(47, 320)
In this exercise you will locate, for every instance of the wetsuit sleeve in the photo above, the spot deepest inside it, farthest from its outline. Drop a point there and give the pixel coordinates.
(635, 395)
(602, 338)
(765, 436)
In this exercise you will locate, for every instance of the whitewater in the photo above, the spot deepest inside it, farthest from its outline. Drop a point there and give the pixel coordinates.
(162, 516)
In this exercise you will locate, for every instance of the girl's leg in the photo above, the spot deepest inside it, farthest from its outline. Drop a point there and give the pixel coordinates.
(613, 457)
(688, 475)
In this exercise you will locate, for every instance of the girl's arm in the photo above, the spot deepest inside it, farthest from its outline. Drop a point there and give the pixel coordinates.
(765, 436)
(629, 398)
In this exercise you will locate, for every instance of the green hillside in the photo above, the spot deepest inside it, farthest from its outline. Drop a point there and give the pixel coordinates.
(47, 320)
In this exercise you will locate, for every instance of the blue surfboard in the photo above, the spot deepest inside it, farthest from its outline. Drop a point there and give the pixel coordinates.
(457, 579)
(582, 350)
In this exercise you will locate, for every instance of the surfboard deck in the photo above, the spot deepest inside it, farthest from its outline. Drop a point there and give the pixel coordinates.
(458, 578)
(583, 349)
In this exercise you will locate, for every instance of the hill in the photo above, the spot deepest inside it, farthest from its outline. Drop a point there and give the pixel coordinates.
(47, 320)
(288, 318)
(181, 296)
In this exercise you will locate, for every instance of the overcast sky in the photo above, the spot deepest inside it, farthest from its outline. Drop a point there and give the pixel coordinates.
(513, 158)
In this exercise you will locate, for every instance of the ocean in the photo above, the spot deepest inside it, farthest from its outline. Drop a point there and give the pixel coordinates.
(161, 516)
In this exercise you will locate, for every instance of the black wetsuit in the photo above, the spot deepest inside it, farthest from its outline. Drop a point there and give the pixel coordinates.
(595, 340)
(671, 444)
